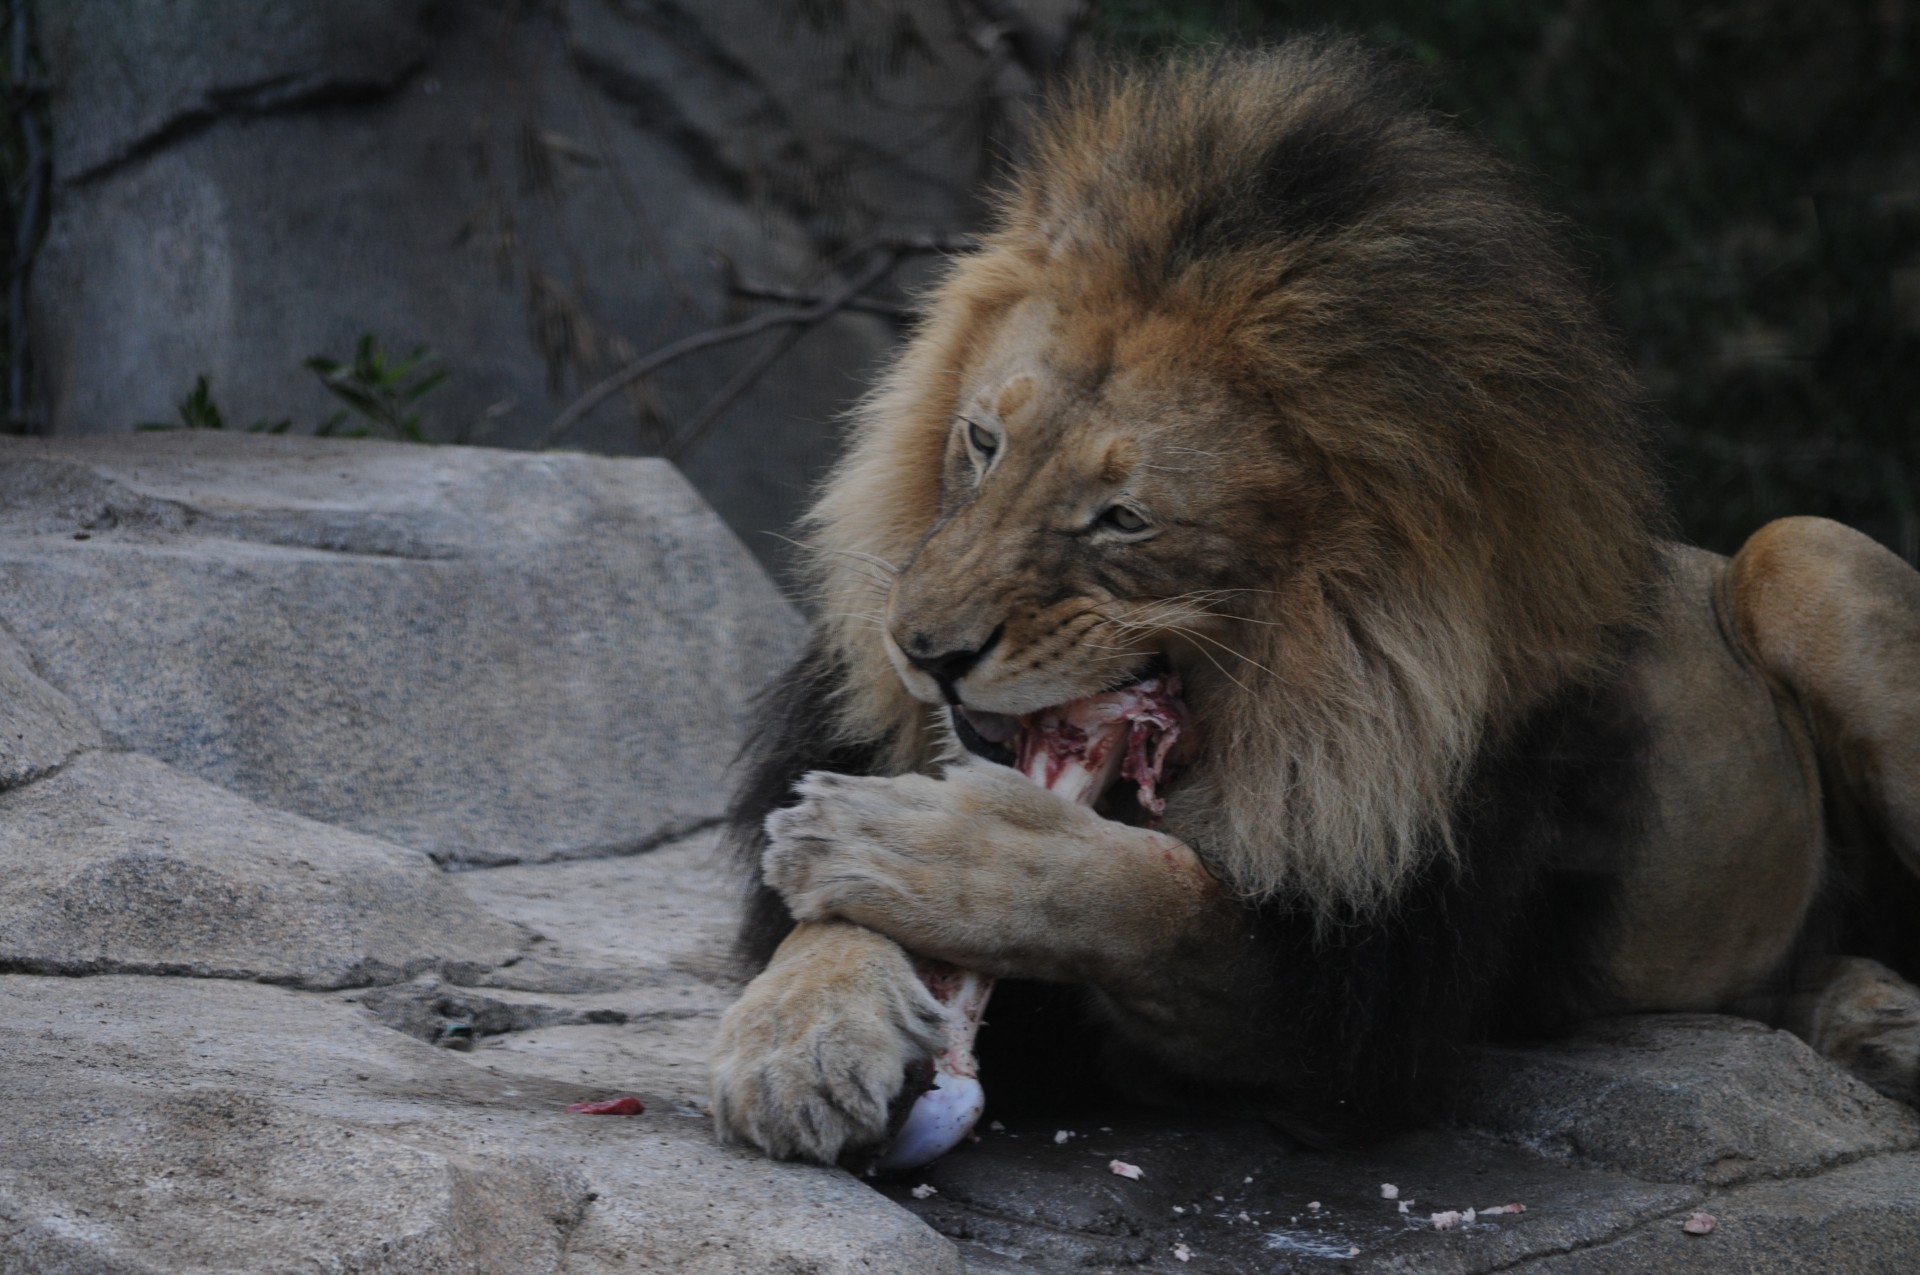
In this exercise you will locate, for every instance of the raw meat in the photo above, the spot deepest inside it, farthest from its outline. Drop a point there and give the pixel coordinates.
(628, 1106)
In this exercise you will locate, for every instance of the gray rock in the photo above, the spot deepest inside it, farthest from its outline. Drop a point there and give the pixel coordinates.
(175, 1125)
(662, 920)
(131, 75)
(626, 973)
(39, 727)
(271, 232)
(540, 192)
(1861, 1219)
(120, 863)
(490, 656)
(1663, 1111)
(1685, 1098)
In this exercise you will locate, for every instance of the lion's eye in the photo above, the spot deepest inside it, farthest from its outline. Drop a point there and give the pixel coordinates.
(1121, 518)
(983, 442)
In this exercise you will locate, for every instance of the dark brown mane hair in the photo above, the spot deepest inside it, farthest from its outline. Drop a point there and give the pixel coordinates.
(1409, 326)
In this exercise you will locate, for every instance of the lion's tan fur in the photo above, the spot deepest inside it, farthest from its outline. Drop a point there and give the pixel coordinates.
(1387, 512)
(1482, 513)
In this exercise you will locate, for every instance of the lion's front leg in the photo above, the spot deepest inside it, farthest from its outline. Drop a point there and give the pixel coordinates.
(809, 1060)
(987, 870)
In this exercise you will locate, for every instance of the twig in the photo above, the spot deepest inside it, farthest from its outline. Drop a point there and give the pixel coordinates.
(742, 381)
(796, 296)
(825, 308)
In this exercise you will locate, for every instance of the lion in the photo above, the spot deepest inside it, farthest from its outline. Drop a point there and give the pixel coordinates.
(1266, 375)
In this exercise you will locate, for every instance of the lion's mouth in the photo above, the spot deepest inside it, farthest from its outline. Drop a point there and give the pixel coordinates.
(987, 735)
(1134, 730)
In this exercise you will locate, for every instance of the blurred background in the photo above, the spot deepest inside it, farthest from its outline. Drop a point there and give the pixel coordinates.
(693, 228)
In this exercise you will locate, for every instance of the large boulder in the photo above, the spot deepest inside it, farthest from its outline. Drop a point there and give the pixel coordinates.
(486, 656)
(226, 663)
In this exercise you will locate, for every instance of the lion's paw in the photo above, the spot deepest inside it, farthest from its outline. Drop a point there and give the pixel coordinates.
(852, 842)
(809, 1061)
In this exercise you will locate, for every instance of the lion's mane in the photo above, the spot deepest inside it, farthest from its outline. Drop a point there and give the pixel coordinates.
(1411, 323)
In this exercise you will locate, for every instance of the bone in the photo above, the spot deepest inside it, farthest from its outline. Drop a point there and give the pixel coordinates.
(1077, 750)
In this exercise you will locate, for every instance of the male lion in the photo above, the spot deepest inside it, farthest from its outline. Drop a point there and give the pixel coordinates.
(1267, 375)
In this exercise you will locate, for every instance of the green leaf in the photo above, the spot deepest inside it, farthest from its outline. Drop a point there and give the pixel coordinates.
(419, 389)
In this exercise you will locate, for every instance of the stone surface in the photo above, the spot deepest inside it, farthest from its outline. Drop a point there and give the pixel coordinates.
(625, 974)
(489, 656)
(190, 1125)
(39, 727)
(540, 192)
(1240, 1198)
(465, 652)
(135, 74)
(119, 863)
(1860, 1218)
(1636, 1096)
(348, 627)
(1685, 1098)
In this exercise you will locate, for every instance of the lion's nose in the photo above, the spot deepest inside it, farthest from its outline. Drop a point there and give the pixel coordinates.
(949, 667)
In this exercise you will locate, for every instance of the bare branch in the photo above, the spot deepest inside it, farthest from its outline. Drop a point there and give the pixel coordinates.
(743, 380)
(825, 308)
(796, 296)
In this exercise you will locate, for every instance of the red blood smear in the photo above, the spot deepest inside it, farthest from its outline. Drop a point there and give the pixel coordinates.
(628, 1106)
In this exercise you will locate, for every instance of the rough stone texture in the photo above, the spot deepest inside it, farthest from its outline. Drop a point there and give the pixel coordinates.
(626, 971)
(187, 1125)
(488, 656)
(1686, 1098)
(456, 649)
(1611, 1139)
(119, 863)
(134, 74)
(1238, 1197)
(539, 192)
(1861, 1219)
(39, 727)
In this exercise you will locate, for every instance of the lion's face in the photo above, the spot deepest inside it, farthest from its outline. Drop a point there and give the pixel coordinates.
(1103, 502)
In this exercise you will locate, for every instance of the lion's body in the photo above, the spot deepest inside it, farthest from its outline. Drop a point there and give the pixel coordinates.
(1267, 375)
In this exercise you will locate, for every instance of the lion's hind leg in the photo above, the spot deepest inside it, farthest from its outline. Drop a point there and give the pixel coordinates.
(1835, 619)
(1833, 622)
